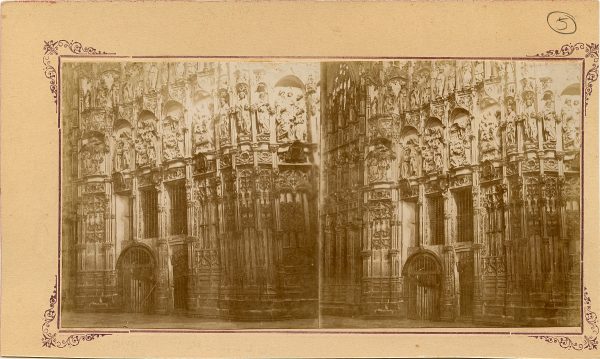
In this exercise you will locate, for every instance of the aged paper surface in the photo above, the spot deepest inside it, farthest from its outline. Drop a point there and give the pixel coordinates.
(263, 179)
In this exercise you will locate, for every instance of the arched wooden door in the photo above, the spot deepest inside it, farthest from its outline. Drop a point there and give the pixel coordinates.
(423, 284)
(136, 280)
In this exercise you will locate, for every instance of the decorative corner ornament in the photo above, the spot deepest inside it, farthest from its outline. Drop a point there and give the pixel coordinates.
(589, 336)
(53, 49)
(51, 339)
(591, 53)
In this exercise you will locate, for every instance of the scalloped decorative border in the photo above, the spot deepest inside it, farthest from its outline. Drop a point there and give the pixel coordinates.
(589, 342)
(589, 339)
(591, 52)
(50, 338)
(53, 48)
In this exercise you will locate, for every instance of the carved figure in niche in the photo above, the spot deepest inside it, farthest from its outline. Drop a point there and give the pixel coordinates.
(549, 118)
(101, 96)
(425, 86)
(86, 90)
(123, 152)
(510, 72)
(202, 127)
(511, 119)
(92, 157)
(415, 95)
(224, 127)
(403, 100)
(379, 161)
(145, 142)
(172, 138)
(263, 111)
(152, 78)
(479, 71)
(432, 156)
(391, 97)
(570, 113)
(389, 105)
(291, 119)
(459, 142)
(440, 82)
(128, 93)
(495, 69)
(410, 159)
(179, 70)
(140, 152)
(531, 129)
(242, 111)
(451, 80)
(466, 75)
(488, 135)
(374, 93)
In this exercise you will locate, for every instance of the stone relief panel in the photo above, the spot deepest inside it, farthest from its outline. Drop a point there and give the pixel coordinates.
(203, 125)
(379, 160)
(124, 151)
(570, 117)
(433, 154)
(94, 210)
(92, 155)
(173, 132)
(146, 140)
(460, 140)
(410, 156)
(489, 136)
(291, 114)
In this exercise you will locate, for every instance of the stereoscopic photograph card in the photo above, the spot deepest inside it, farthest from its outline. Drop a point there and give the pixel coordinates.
(264, 179)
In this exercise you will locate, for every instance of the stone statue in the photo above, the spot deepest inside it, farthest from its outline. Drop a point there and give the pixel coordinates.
(263, 111)
(457, 150)
(511, 118)
(86, 90)
(202, 130)
(172, 139)
(440, 83)
(242, 112)
(152, 77)
(451, 81)
(479, 71)
(409, 163)
(224, 127)
(403, 99)
(488, 138)
(531, 129)
(123, 152)
(415, 96)
(432, 156)
(549, 119)
(291, 119)
(466, 76)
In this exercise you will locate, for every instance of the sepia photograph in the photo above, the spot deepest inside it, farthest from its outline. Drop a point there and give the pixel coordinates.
(451, 193)
(190, 193)
(308, 179)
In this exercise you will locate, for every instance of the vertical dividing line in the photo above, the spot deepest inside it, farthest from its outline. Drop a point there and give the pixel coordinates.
(320, 190)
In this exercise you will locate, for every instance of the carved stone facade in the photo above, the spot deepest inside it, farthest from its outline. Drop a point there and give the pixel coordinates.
(233, 145)
(452, 190)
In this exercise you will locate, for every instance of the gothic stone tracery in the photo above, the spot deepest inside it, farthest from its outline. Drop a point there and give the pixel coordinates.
(194, 180)
(465, 203)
